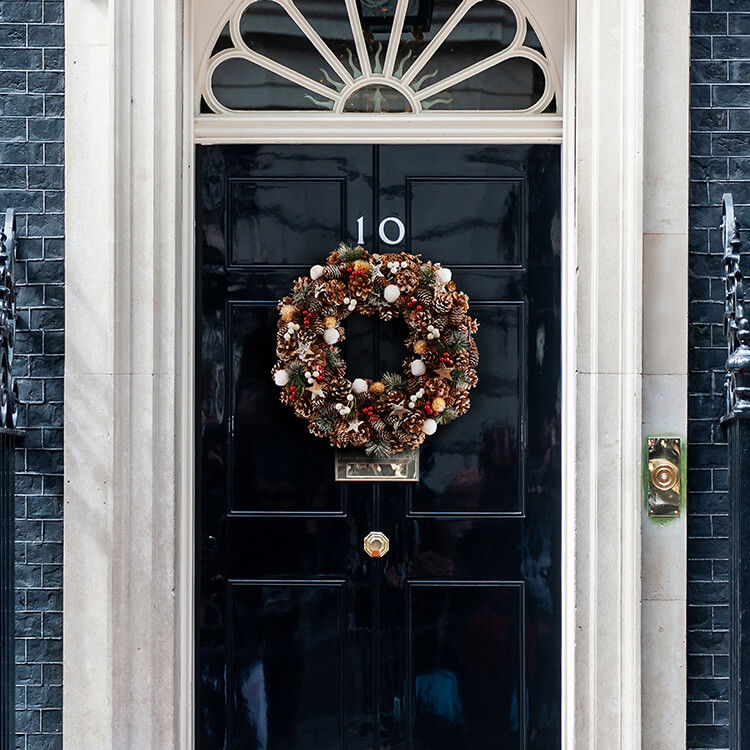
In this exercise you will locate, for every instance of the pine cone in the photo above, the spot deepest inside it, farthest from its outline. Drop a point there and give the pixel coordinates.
(357, 438)
(442, 303)
(435, 387)
(334, 257)
(340, 436)
(305, 407)
(406, 280)
(334, 291)
(471, 324)
(360, 287)
(473, 353)
(315, 356)
(379, 428)
(419, 319)
(431, 358)
(387, 313)
(456, 317)
(461, 402)
(409, 432)
(461, 360)
(332, 272)
(471, 374)
(338, 389)
(314, 306)
(285, 349)
(423, 297)
(460, 301)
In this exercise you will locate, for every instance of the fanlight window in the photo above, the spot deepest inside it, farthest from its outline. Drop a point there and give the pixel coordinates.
(377, 56)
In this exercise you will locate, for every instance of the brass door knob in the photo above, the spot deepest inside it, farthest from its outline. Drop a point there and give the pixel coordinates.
(377, 544)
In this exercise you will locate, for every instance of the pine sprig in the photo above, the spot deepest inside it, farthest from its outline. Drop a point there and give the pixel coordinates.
(378, 447)
(300, 295)
(460, 378)
(348, 254)
(446, 416)
(296, 373)
(325, 422)
(334, 360)
(394, 383)
(457, 341)
(428, 276)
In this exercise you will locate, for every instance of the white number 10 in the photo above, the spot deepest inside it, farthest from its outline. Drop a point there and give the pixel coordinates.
(400, 230)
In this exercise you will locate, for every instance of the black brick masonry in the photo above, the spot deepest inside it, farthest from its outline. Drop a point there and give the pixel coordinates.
(31, 180)
(720, 162)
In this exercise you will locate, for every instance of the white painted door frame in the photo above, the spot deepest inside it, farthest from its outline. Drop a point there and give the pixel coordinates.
(128, 607)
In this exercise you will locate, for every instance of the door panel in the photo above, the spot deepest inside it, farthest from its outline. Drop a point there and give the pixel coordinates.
(453, 639)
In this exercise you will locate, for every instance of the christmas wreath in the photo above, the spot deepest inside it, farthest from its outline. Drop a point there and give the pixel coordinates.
(394, 413)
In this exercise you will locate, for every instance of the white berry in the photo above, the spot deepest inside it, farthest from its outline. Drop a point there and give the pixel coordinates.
(359, 385)
(391, 293)
(418, 367)
(281, 377)
(429, 427)
(444, 275)
(331, 335)
(349, 397)
(287, 336)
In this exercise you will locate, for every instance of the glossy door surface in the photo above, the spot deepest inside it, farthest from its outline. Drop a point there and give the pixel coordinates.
(452, 640)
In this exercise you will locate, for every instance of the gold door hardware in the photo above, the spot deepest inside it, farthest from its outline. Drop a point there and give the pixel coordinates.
(377, 544)
(664, 492)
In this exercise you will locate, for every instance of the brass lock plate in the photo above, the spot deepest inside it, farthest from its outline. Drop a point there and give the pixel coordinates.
(664, 471)
(377, 544)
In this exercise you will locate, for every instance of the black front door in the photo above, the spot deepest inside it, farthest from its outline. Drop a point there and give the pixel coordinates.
(451, 641)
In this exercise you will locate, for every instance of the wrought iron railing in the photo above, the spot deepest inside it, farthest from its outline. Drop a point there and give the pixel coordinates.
(8, 440)
(736, 422)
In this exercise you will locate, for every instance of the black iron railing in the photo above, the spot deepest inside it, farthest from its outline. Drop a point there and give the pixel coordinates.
(9, 436)
(736, 422)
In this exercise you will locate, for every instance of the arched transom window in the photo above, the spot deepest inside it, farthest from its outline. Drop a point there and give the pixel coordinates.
(377, 56)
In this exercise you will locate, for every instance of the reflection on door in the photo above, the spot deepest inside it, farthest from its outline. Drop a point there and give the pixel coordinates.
(452, 640)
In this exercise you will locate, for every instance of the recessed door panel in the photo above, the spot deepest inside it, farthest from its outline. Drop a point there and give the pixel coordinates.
(466, 665)
(483, 216)
(256, 484)
(476, 464)
(280, 221)
(452, 640)
(287, 642)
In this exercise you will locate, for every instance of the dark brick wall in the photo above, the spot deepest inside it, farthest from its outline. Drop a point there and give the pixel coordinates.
(720, 162)
(31, 179)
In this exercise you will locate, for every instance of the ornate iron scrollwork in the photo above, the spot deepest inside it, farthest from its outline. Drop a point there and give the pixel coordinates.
(8, 385)
(736, 324)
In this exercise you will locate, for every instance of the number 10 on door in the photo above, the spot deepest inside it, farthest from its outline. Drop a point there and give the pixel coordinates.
(391, 230)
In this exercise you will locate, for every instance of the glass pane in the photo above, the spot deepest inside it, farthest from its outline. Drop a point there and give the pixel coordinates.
(240, 84)
(331, 22)
(377, 99)
(513, 85)
(487, 28)
(267, 29)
